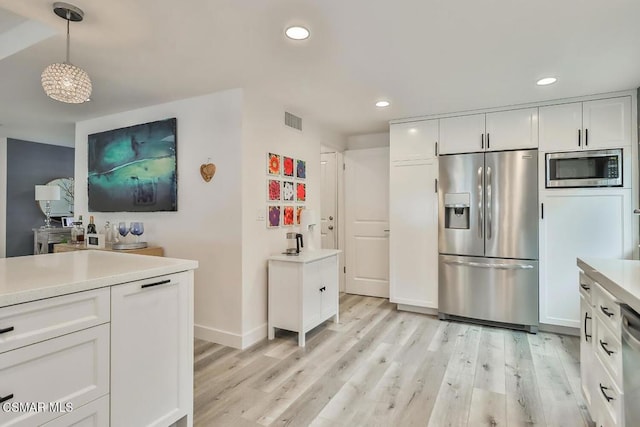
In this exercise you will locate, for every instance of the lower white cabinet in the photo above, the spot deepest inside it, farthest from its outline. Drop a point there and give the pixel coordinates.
(151, 349)
(93, 414)
(578, 224)
(413, 240)
(303, 291)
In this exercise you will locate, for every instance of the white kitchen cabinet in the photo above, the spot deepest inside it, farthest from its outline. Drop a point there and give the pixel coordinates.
(512, 130)
(303, 291)
(151, 351)
(71, 368)
(413, 240)
(414, 140)
(589, 125)
(581, 223)
(462, 134)
(587, 336)
(502, 130)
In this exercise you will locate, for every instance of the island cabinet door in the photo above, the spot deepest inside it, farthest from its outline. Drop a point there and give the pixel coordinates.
(152, 351)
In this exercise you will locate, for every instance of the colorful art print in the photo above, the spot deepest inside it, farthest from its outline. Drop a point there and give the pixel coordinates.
(273, 189)
(273, 164)
(301, 192)
(299, 214)
(301, 169)
(288, 193)
(287, 166)
(134, 169)
(287, 215)
(273, 216)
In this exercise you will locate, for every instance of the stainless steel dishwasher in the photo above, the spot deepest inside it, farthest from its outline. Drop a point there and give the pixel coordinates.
(631, 364)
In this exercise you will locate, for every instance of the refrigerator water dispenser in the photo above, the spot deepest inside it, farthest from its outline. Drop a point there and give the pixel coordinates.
(456, 210)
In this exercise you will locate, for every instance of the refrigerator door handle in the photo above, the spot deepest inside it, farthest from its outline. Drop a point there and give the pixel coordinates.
(489, 216)
(480, 203)
(488, 265)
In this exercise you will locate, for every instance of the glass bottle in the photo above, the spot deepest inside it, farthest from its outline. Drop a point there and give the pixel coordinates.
(91, 227)
(77, 232)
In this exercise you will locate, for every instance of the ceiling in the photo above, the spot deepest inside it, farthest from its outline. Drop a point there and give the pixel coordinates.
(424, 56)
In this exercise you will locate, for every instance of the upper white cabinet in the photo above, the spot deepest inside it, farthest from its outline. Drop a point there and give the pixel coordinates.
(512, 130)
(414, 140)
(604, 123)
(462, 134)
(503, 130)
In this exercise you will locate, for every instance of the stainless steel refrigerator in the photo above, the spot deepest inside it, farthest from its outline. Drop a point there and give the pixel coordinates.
(488, 237)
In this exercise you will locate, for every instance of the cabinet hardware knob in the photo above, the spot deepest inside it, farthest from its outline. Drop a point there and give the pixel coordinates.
(322, 289)
(606, 311)
(330, 218)
(330, 227)
(162, 282)
(8, 397)
(604, 347)
(5, 330)
(602, 389)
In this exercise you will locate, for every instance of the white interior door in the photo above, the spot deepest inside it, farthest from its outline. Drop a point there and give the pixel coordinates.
(329, 197)
(367, 221)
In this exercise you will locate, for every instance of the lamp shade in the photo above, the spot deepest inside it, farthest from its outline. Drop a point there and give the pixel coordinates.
(308, 218)
(47, 192)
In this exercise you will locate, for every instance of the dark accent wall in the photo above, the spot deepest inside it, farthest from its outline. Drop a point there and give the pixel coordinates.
(30, 164)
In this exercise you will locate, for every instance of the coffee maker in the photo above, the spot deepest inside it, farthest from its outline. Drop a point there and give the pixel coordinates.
(294, 243)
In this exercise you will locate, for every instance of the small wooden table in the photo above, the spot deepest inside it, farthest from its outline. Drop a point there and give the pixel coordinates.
(69, 247)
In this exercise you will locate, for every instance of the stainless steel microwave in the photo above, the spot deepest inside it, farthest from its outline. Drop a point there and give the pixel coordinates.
(588, 168)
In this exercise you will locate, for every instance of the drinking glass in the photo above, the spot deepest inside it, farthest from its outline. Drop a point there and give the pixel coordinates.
(137, 228)
(123, 229)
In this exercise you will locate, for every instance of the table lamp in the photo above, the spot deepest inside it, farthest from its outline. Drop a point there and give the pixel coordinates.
(47, 193)
(308, 220)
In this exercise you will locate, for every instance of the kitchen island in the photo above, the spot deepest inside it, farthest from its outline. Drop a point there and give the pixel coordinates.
(97, 338)
(605, 284)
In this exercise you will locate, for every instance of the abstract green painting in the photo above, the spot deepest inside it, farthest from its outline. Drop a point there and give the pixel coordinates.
(133, 169)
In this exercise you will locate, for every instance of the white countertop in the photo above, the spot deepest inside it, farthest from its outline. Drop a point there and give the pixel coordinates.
(29, 278)
(621, 277)
(305, 256)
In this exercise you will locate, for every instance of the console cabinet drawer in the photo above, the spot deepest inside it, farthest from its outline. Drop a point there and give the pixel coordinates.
(32, 322)
(609, 350)
(73, 368)
(93, 414)
(606, 308)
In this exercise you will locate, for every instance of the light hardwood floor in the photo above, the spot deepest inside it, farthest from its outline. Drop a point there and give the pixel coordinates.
(383, 367)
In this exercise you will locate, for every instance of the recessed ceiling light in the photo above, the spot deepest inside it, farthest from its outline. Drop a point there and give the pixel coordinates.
(382, 104)
(297, 33)
(546, 81)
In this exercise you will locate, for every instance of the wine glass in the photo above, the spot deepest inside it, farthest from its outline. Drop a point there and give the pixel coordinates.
(137, 228)
(123, 229)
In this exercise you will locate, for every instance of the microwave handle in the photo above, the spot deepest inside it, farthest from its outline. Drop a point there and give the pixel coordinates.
(636, 211)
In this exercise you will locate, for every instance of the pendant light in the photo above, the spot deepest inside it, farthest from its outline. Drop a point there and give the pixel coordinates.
(65, 82)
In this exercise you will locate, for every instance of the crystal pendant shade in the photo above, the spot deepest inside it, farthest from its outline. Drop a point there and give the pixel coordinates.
(66, 83)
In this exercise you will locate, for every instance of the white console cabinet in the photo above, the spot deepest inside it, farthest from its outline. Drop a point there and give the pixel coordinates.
(303, 291)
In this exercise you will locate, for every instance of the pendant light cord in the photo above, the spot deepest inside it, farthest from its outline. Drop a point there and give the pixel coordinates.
(68, 20)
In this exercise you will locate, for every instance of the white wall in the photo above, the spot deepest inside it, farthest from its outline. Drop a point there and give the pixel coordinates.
(207, 225)
(263, 132)
(371, 140)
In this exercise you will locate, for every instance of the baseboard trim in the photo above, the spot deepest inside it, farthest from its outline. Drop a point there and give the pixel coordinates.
(255, 335)
(219, 337)
(563, 330)
(415, 309)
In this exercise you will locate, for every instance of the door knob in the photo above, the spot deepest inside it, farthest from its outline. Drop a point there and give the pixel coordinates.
(330, 227)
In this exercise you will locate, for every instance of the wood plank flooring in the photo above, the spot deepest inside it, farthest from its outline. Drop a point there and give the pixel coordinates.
(383, 367)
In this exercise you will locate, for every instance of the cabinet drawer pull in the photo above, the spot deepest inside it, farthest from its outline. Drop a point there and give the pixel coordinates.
(8, 397)
(585, 287)
(586, 137)
(586, 336)
(602, 389)
(162, 282)
(604, 347)
(488, 144)
(578, 137)
(322, 289)
(606, 311)
(5, 330)
(482, 141)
